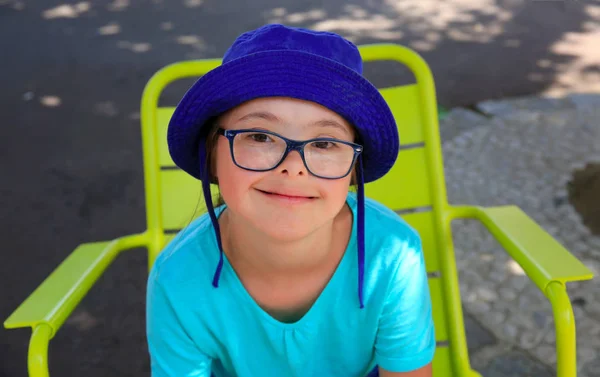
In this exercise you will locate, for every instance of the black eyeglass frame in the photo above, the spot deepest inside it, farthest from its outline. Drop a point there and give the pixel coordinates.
(291, 145)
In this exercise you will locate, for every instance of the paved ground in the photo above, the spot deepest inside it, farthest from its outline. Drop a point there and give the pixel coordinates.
(528, 152)
(72, 75)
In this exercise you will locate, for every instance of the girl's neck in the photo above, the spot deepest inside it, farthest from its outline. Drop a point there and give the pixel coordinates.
(255, 252)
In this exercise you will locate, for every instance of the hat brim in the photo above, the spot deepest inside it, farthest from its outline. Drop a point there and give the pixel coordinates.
(286, 73)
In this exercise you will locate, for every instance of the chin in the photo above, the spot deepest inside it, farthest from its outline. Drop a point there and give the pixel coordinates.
(288, 227)
(283, 220)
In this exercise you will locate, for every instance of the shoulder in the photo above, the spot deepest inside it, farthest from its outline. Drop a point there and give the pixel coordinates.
(384, 227)
(390, 242)
(385, 222)
(187, 256)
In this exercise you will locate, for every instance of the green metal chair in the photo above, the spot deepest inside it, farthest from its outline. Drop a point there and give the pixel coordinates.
(415, 188)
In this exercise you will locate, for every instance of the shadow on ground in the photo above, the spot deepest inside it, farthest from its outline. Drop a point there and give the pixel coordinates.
(583, 194)
(72, 78)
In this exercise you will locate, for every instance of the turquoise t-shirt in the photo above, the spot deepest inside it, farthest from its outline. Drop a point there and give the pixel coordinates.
(195, 329)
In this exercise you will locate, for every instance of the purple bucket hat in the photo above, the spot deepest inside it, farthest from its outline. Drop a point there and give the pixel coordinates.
(276, 60)
(281, 61)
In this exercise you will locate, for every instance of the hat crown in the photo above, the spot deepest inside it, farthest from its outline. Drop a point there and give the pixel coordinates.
(277, 37)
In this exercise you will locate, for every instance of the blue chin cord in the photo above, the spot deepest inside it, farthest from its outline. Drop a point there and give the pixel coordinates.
(211, 211)
(361, 231)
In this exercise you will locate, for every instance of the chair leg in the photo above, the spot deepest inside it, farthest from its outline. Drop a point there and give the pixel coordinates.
(564, 322)
(37, 358)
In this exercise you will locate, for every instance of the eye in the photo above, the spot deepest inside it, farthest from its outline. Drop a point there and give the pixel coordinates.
(324, 144)
(258, 137)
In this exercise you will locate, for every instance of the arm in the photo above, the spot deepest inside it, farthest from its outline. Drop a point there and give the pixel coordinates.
(405, 342)
(173, 353)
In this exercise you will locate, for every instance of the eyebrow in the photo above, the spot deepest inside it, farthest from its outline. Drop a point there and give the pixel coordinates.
(265, 115)
(333, 124)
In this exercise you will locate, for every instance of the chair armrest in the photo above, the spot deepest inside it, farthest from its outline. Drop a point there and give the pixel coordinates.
(54, 300)
(545, 261)
(542, 258)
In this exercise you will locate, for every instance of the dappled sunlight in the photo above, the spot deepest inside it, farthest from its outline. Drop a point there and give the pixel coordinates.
(192, 3)
(479, 294)
(423, 24)
(445, 14)
(166, 26)
(423, 45)
(536, 77)
(512, 43)
(194, 41)
(280, 15)
(134, 47)
(356, 11)
(460, 20)
(67, 10)
(584, 48)
(475, 33)
(296, 18)
(428, 43)
(544, 63)
(106, 108)
(118, 5)
(514, 268)
(486, 257)
(379, 26)
(16, 5)
(566, 59)
(278, 12)
(354, 23)
(50, 101)
(110, 29)
(82, 320)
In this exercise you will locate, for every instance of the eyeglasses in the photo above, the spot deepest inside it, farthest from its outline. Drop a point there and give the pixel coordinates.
(258, 150)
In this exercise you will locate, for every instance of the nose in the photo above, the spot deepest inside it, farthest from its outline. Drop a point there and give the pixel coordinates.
(293, 165)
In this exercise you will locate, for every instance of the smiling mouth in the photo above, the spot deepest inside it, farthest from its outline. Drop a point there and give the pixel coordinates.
(288, 197)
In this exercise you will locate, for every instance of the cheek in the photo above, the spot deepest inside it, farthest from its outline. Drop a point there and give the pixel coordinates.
(232, 180)
(335, 191)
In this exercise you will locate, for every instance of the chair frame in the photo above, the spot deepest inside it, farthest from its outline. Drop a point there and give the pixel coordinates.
(549, 265)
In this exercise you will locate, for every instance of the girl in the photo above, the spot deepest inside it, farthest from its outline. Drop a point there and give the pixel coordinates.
(292, 275)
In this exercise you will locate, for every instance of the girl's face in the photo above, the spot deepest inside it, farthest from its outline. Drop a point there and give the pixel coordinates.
(286, 203)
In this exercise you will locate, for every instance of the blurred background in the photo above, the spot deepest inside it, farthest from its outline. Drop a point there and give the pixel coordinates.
(71, 79)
